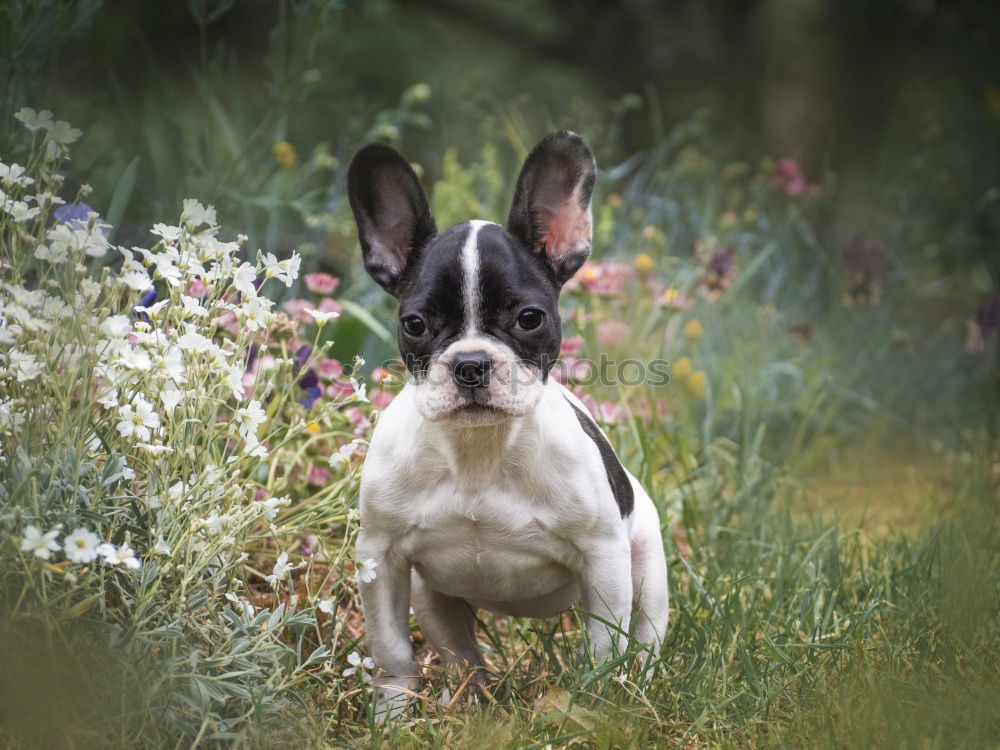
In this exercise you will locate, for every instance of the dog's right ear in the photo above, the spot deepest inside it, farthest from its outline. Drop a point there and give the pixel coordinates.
(390, 208)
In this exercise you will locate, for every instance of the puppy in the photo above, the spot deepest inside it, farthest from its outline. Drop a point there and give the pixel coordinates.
(487, 485)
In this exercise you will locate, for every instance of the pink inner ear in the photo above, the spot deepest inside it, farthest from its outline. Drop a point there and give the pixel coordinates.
(566, 229)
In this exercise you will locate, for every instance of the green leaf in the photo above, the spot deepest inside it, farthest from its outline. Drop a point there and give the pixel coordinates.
(121, 196)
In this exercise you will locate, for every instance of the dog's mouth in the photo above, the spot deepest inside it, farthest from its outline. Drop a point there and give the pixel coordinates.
(479, 414)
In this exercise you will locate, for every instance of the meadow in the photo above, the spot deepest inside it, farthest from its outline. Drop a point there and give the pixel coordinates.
(191, 361)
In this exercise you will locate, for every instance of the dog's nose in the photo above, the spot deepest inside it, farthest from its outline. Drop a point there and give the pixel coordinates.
(472, 369)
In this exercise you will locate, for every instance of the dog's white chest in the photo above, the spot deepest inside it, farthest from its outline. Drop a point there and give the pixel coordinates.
(487, 543)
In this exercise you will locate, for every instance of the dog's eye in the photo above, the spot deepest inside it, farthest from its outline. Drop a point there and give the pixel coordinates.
(414, 326)
(530, 319)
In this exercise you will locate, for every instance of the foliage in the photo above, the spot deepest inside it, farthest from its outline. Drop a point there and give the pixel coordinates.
(145, 448)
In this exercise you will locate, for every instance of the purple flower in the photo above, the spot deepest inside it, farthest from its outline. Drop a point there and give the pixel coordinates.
(980, 331)
(989, 313)
(147, 300)
(309, 382)
(77, 215)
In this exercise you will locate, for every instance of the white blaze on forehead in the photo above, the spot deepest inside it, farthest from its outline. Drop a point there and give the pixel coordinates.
(470, 276)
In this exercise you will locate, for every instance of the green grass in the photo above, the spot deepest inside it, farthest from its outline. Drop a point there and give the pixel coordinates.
(787, 630)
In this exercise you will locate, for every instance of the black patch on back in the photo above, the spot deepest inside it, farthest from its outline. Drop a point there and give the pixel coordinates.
(621, 487)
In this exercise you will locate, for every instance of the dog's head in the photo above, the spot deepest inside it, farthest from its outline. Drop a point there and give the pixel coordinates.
(479, 325)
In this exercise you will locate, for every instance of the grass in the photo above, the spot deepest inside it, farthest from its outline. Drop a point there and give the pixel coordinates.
(787, 630)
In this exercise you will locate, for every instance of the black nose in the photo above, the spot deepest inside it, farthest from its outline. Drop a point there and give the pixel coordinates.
(472, 369)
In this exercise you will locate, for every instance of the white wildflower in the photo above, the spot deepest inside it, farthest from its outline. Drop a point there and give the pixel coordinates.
(107, 397)
(255, 313)
(250, 418)
(133, 274)
(81, 545)
(21, 212)
(323, 317)
(138, 419)
(161, 547)
(14, 174)
(359, 666)
(34, 120)
(171, 397)
(326, 605)
(280, 570)
(343, 455)
(155, 449)
(24, 366)
(170, 234)
(191, 306)
(269, 507)
(191, 340)
(283, 270)
(364, 570)
(120, 555)
(116, 326)
(42, 544)
(195, 214)
(244, 278)
(63, 133)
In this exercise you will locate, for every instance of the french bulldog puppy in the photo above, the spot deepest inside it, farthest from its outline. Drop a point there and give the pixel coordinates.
(487, 484)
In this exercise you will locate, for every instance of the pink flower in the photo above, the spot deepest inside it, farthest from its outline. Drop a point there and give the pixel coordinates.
(328, 306)
(260, 494)
(676, 300)
(330, 368)
(611, 413)
(380, 399)
(571, 345)
(357, 417)
(613, 333)
(789, 177)
(308, 545)
(299, 309)
(606, 279)
(198, 289)
(339, 390)
(318, 475)
(321, 283)
(570, 368)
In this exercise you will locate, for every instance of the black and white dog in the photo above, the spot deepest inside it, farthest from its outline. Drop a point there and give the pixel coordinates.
(487, 484)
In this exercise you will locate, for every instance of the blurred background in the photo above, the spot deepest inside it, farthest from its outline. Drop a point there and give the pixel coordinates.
(842, 156)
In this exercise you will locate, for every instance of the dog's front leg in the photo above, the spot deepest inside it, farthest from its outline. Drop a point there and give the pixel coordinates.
(606, 588)
(386, 604)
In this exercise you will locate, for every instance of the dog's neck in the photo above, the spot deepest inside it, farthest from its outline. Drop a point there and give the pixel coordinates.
(477, 453)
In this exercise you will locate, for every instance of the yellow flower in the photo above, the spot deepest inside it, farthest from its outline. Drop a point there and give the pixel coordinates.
(284, 153)
(693, 330)
(682, 368)
(695, 384)
(644, 263)
(313, 428)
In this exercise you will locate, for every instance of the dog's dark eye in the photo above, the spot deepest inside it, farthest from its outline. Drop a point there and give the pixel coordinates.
(530, 319)
(414, 326)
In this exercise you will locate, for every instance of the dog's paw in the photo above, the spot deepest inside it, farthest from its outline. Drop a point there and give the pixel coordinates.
(394, 697)
(468, 690)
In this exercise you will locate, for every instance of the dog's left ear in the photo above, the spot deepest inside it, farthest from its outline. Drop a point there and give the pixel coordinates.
(551, 208)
